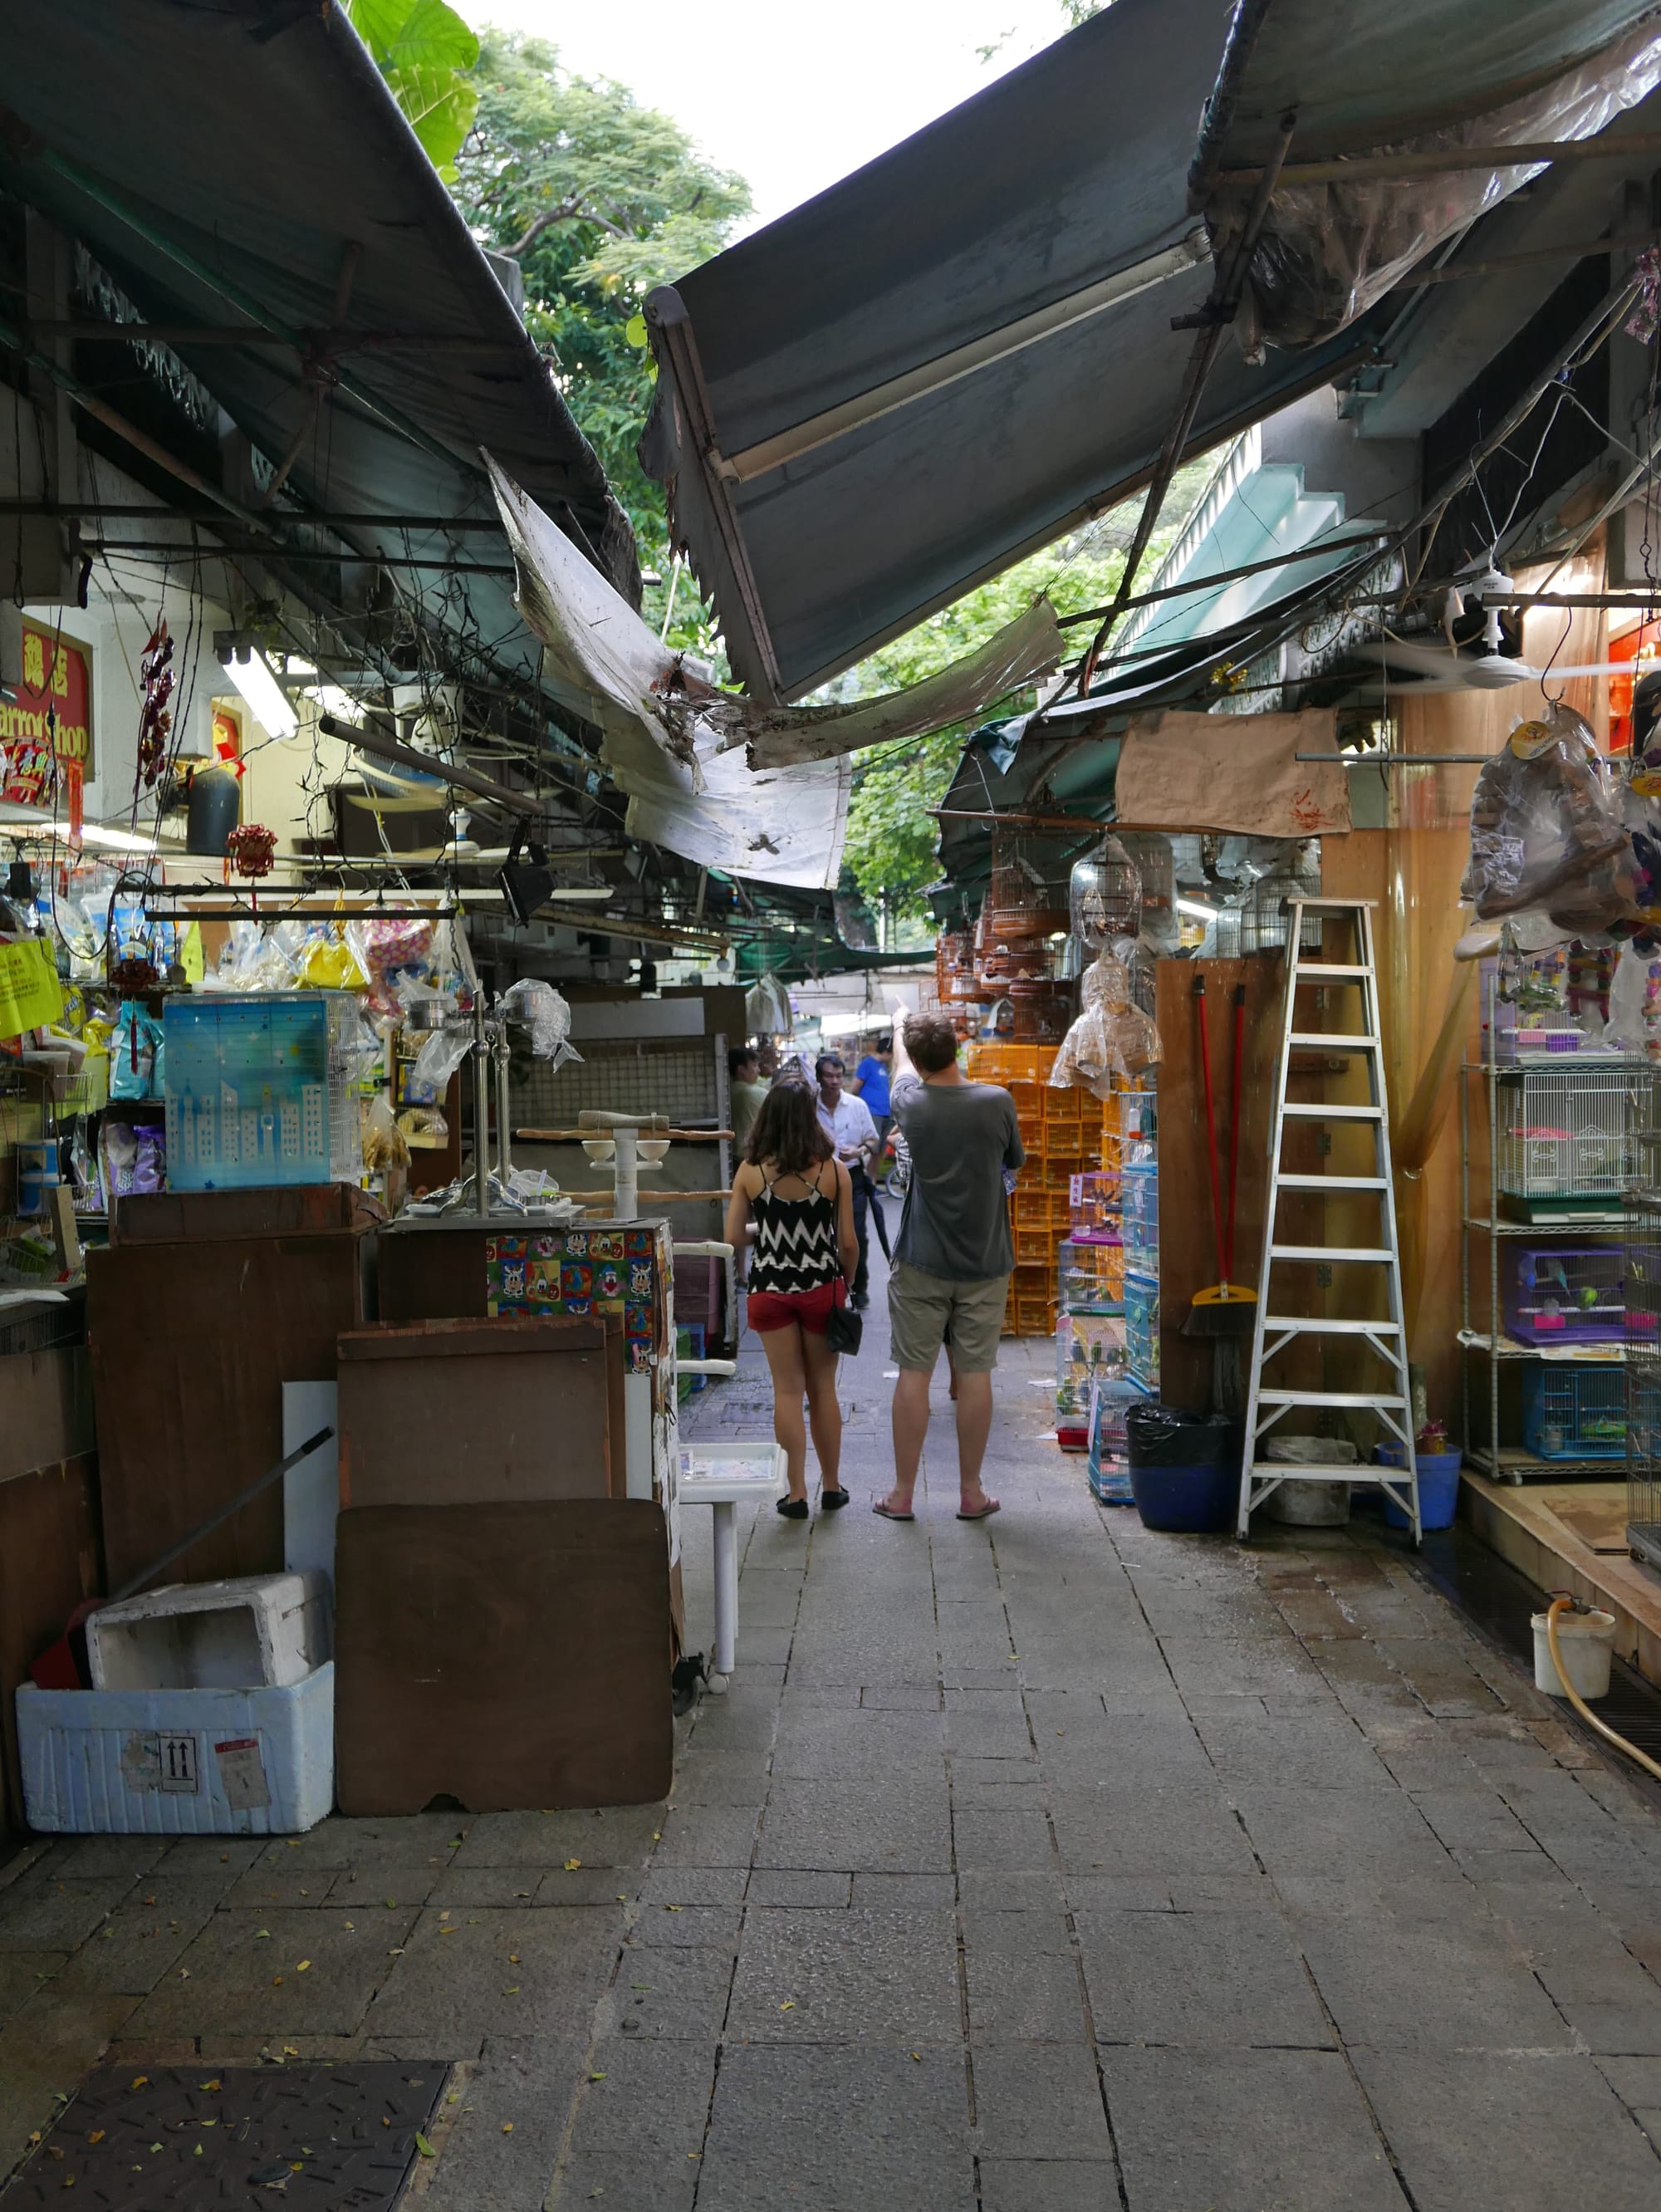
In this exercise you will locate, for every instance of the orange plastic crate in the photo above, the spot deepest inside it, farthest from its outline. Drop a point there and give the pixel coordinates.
(1035, 1247)
(1064, 1107)
(1034, 1317)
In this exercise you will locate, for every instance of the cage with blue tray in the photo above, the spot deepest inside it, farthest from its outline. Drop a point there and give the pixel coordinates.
(1574, 1413)
(1112, 1397)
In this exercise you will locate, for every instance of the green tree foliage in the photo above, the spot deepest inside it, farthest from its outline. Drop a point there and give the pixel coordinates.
(597, 198)
(424, 51)
(891, 847)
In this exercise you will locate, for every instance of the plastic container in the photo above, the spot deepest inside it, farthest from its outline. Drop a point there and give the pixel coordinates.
(1309, 1504)
(178, 1762)
(1586, 1641)
(1439, 1487)
(1184, 1468)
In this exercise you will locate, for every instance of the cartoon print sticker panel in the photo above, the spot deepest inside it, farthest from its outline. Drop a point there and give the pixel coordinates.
(583, 1272)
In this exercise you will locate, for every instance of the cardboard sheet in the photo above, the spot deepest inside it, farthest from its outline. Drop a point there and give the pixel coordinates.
(1232, 772)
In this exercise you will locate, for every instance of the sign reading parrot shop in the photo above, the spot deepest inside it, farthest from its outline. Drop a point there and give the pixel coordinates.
(48, 725)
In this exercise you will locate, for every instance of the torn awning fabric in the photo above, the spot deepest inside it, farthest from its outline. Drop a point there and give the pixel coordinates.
(671, 741)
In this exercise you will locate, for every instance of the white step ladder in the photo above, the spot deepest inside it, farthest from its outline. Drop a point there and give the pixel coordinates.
(1386, 1337)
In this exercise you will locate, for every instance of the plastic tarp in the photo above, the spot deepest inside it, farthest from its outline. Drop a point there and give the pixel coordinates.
(1233, 773)
(839, 460)
(1329, 251)
(294, 152)
(974, 334)
(671, 740)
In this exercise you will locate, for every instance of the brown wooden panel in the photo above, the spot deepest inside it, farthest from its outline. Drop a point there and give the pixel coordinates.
(445, 1412)
(510, 1657)
(431, 1274)
(171, 1217)
(46, 1409)
(190, 1345)
(48, 1563)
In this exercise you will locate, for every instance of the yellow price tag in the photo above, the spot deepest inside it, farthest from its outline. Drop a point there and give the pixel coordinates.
(30, 993)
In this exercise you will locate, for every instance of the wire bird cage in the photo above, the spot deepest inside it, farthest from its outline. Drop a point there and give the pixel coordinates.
(1266, 921)
(1642, 1377)
(1575, 1413)
(1103, 895)
(1573, 1138)
(1569, 1294)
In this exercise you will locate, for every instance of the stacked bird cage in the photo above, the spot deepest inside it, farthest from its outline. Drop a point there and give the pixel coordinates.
(1643, 1377)
(1265, 920)
(1020, 939)
(1104, 895)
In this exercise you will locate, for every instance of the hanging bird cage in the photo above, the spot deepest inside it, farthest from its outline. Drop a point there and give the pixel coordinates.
(1105, 895)
(1265, 918)
(1024, 900)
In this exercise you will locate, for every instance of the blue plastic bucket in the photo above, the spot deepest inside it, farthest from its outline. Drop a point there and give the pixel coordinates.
(1195, 1500)
(1439, 1487)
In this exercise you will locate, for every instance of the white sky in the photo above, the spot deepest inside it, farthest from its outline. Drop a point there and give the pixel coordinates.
(791, 94)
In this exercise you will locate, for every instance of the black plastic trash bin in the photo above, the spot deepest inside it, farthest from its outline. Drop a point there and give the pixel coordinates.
(1184, 1467)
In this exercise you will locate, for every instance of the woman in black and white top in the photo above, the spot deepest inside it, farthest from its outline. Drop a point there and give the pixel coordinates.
(800, 1201)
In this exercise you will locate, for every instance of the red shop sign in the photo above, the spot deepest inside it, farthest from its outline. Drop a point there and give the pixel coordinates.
(50, 721)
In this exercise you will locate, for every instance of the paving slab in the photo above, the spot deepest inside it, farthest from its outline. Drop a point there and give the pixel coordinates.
(1282, 2129)
(861, 1977)
(1492, 2132)
(1197, 1978)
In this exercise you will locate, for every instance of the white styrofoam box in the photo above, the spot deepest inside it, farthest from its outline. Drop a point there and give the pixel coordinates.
(255, 1631)
(178, 1762)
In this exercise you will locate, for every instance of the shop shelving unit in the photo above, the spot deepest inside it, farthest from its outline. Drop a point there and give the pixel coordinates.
(1565, 1136)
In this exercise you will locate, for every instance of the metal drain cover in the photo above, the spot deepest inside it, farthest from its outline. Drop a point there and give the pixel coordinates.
(317, 2138)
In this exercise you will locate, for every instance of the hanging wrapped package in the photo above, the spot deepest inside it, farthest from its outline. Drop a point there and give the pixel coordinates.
(1111, 1038)
(1548, 839)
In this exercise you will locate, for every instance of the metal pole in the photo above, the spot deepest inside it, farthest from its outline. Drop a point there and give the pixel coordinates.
(626, 1167)
(504, 1151)
(481, 1106)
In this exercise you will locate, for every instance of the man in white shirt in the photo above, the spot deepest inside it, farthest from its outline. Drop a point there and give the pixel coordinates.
(848, 1123)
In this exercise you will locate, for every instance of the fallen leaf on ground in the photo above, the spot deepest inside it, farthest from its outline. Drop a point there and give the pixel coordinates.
(425, 2147)
(572, 1865)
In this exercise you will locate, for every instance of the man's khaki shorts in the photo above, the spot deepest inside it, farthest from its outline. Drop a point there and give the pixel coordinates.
(926, 1311)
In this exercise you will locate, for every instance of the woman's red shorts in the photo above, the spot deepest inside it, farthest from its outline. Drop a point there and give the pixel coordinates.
(808, 1310)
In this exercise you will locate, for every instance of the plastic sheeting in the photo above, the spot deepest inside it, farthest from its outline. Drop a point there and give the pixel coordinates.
(1328, 251)
(671, 739)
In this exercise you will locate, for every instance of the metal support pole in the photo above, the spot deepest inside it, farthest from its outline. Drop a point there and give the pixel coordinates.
(481, 1107)
(504, 1151)
(626, 1164)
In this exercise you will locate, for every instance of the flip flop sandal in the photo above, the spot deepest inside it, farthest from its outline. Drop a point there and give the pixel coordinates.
(986, 1512)
(877, 1506)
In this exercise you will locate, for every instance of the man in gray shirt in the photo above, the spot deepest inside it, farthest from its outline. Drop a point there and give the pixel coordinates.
(952, 1261)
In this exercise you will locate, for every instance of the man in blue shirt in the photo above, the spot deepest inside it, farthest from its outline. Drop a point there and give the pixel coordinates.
(870, 1084)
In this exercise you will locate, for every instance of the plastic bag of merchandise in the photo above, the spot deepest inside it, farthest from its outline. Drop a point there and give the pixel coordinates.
(327, 961)
(435, 1063)
(1548, 838)
(767, 1007)
(137, 1059)
(537, 1007)
(384, 1144)
(1111, 1036)
(390, 953)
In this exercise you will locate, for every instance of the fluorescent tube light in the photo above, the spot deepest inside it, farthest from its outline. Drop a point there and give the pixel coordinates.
(1192, 906)
(252, 676)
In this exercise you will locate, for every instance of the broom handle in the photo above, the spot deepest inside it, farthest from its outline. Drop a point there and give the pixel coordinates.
(217, 1520)
(1234, 1128)
(1210, 1124)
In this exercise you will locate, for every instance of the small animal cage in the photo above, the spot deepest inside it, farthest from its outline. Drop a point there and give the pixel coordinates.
(1105, 895)
(1110, 1398)
(1643, 1381)
(1574, 1413)
(1572, 1138)
(1565, 1293)
(1266, 920)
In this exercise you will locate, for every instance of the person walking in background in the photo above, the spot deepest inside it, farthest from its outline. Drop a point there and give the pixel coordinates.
(847, 1122)
(954, 1254)
(869, 1084)
(748, 1091)
(804, 1251)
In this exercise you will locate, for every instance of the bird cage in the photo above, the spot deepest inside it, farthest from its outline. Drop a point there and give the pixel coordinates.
(1023, 901)
(1570, 1136)
(1642, 1377)
(1105, 895)
(1265, 918)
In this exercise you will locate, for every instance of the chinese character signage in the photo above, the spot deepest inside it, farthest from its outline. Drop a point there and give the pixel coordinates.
(49, 724)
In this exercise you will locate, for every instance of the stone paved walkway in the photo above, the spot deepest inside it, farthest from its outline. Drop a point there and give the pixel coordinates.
(1046, 1866)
